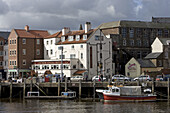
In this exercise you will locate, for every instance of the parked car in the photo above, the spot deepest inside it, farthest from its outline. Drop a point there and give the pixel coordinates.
(76, 78)
(159, 78)
(96, 78)
(120, 77)
(166, 77)
(143, 78)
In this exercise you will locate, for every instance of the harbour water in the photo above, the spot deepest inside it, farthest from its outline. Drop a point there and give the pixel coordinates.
(80, 106)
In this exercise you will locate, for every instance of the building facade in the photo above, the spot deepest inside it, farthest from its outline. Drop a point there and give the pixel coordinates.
(24, 45)
(77, 52)
(133, 38)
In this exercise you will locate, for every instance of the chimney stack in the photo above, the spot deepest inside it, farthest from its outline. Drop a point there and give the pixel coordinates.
(65, 30)
(27, 28)
(87, 26)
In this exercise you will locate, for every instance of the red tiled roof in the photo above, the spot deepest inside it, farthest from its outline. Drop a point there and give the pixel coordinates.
(31, 33)
(58, 34)
(79, 72)
(80, 32)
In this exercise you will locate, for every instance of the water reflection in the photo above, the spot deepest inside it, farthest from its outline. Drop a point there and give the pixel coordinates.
(76, 106)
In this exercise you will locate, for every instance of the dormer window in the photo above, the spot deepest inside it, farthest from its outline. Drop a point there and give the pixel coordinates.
(84, 37)
(77, 37)
(70, 38)
(63, 38)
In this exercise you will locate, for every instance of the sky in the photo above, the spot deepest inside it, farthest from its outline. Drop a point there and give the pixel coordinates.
(53, 15)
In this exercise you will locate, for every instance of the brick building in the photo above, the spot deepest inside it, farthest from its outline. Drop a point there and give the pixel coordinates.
(133, 39)
(24, 45)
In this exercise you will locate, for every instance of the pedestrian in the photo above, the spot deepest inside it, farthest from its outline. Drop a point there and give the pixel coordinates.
(101, 78)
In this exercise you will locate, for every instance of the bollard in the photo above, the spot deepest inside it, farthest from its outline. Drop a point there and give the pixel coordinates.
(79, 88)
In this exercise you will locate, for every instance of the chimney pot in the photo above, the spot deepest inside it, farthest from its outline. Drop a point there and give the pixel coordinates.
(87, 26)
(27, 28)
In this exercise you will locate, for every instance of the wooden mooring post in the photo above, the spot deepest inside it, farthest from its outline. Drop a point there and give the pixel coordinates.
(11, 89)
(0, 90)
(153, 87)
(80, 89)
(58, 87)
(168, 89)
(65, 84)
(31, 85)
(94, 89)
(24, 88)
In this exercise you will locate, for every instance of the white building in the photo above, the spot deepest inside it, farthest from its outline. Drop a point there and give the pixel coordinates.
(84, 52)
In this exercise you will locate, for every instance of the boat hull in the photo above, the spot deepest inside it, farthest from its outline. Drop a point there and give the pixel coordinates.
(144, 98)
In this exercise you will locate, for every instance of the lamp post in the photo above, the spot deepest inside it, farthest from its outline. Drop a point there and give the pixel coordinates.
(61, 76)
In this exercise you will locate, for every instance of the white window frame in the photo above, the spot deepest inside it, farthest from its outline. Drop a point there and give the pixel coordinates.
(38, 41)
(23, 51)
(77, 37)
(23, 41)
(24, 62)
(84, 37)
(38, 52)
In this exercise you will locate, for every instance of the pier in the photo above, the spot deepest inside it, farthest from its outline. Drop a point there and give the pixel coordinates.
(84, 89)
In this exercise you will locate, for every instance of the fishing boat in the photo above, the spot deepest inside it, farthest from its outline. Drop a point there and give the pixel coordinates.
(127, 93)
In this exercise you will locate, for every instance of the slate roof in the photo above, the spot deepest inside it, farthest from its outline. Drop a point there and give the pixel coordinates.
(31, 33)
(153, 55)
(79, 32)
(58, 35)
(145, 63)
(4, 34)
(138, 24)
(165, 41)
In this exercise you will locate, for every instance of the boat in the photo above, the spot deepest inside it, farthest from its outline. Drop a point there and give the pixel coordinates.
(64, 95)
(126, 94)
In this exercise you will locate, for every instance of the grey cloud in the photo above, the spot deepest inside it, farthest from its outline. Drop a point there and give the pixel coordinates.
(56, 14)
(3, 7)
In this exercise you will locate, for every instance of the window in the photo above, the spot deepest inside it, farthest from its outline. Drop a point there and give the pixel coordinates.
(70, 38)
(124, 42)
(62, 57)
(15, 63)
(84, 37)
(98, 38)
(10, 41)
(159, 32)
(24, 62)
(15, 41)
(1, 53)
(100, 55)
(81, 46)
(72, 46)
(72, 56)
(124, 32)
(1, 63)
(138, 55)
(138, 42)
(47, 42)
(51, 51)
(1, 43)
(38, 51)
(81, 55)
(131, 42)
(63, 38)
(47, 52)
(23, 51)
(166, 33)
(77, 37)
(74, 66)
(146, 43)
(51, 42)
(23, 41)
(81, 65)
(38, 41)
(131, 33)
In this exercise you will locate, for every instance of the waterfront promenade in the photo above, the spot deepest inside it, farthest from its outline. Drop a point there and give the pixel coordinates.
(82, 88)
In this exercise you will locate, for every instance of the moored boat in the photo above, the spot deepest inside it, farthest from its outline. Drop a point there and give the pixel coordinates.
(127, 93)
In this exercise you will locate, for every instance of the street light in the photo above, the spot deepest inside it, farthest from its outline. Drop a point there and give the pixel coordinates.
(61, 48)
